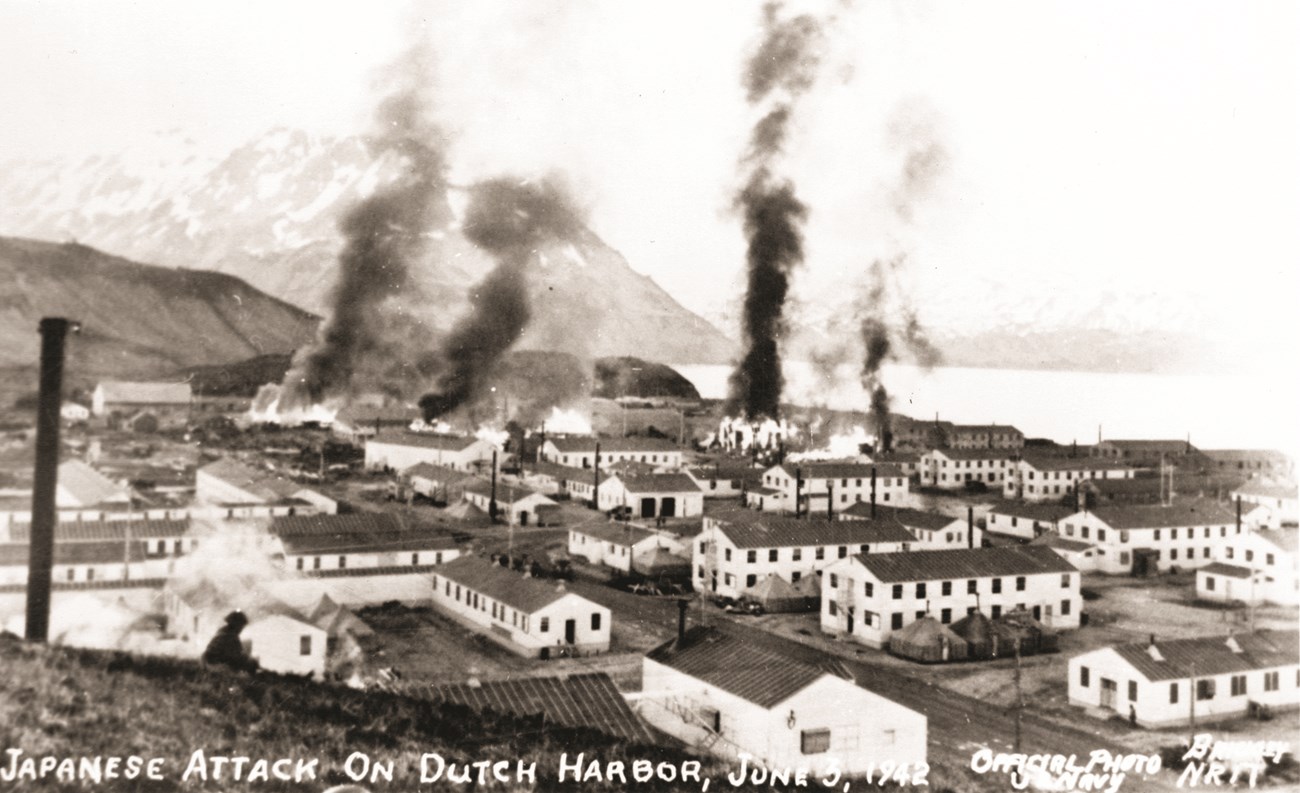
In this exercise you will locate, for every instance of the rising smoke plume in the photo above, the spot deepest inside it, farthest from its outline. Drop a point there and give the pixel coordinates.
(384, 235)
(781, 69)
(509, 220)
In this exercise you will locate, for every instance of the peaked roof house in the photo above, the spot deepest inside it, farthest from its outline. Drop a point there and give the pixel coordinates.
(244, 491)
(113, 395)
(398, 451)
(729, 694)
(1278, 496)
(1166, 683)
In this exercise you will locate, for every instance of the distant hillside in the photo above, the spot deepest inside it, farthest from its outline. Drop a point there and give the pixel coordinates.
(136, 319)
(634, 377)
(267, 212)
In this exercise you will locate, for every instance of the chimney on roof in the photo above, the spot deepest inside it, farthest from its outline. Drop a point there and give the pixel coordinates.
(873, 492)
(798, 492)
(830, 500)
(970, 527)
(682, 605)
(1232, 644)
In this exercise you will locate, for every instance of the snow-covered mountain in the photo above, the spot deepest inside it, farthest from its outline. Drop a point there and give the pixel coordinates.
(266, 212)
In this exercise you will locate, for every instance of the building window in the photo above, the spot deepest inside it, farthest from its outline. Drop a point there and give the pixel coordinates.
(831, 608)
(996, 612)
(1101, 535)
(997, 585)
(835, 581)
(773, 555)
(898, 591)
(545, 625)
(72, 572)
(1065, 580)
(844, 551)
(945, 616)
(726, 555)
(751, 580)
(1173, 693)
(972, 586)
(595, 622)
(896, 621)
(795, 576)
(820, 553)
(1157, 534)
(751, 557)
(814, 741)
(1204, 689)
(868, 589)
(1065, 608)
(1132, 691)
(304, 645)
(1238, 683)
(1123, 536)
(946, 588)
(920, 590)
(1020, 583)
(301, 563)
(415, 560)
(315, 563)
(1228, 551)
(1270, 681)
(796, 554)
(1083, 676)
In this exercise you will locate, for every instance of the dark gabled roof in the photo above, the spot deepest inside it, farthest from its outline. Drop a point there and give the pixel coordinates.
(102, 530)
(750, 670)
(504, 586)
(425, 440)
(1053, 540)
(1257, 487)
(757, 530)
(911, 518)
(975, 454)
(1223, 568)
(262, 484)
(105, 552)
(571, 444)
(507, 493)
(561, 473)
(354, 523)
(1271, 455)
(841, 470)
(305, 544)
(578, 700)
(964, 563)
(898, 457)
(1054, 463)
(1286, 539)
(1048, 512)
(437, 473)
(617, 533)
(960, 428)
(659, 483)
(1211, 655)
(1193, 512)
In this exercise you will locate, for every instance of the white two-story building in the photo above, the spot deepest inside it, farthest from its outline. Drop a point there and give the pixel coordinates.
(932, 530)
(843, 483)
(1033, 478)
(579, 451)
(867, 597)
(1278, 497)
(737, 550)
(955, 469)
(400, 451)
(1253, 567)
(1152, 537)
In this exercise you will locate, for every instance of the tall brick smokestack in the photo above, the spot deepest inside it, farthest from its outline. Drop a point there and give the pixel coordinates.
(778, 72)
(384, 235)
(509, 220)
(40, 560)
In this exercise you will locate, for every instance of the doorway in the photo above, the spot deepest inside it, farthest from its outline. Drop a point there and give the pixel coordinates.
(1108, 690)
(570, 631)
(647, 507)
(668, 508)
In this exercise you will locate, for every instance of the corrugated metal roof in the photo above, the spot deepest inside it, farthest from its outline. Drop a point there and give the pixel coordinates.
(101, 530)
(502, 585)
(912, 518)
(1212, 655)
(658, 483)
(957, 563)
(507, 493)
(1047, 512)
(1053, 540)
(753, 672)
(366, 543)
(1223, 568)
(580, 700)
(128, 393)
(354, 523)
(1193, 512)
(757, 530)
(16, 554)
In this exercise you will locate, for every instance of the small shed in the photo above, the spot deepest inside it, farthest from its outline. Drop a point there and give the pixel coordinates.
(776, 594)
(662, 563)
(977, 630)
(929, 641)
(1034, 636)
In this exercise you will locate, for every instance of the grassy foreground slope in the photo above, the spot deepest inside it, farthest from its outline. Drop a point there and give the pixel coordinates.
(68, 702)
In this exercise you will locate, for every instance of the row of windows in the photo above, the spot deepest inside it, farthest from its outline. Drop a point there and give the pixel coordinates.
(796, 554)
(585, 462)
(973, 463)
(1205, 687)
(1173, 533)
(779, 480)
(970, 477)
(945, 587)
(1250, 555)
(872, 619)
(499, 611)
(343, 561)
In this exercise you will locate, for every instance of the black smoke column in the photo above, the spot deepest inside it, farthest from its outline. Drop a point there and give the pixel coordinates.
(384, 235)
(509, 220)
(40, 560)
(783, 67)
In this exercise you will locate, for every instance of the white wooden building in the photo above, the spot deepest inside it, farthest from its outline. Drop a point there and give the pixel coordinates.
(1278, 497)
(246, 492)
(618, 545)
(356, 423)
(984, 436)
(170, 402)
(579, 451)
(652, 495)
(932, 530)
(1165, 683)
(399, 451)
(87, 562)
(956, 469)
(1026, 521)
(729, 481)
(530, 616)
(1254, 567)
(844, 483)
(737, 550)
(364, 541)
(515, 503)
(866, 597)
(1042, 478)
(729, 695)
(1183, 534)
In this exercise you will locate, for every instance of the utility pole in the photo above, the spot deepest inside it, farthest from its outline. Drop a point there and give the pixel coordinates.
(1191, 701)
(1020, 697)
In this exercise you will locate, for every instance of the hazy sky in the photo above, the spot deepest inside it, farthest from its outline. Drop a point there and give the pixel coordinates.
(1134, 146)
